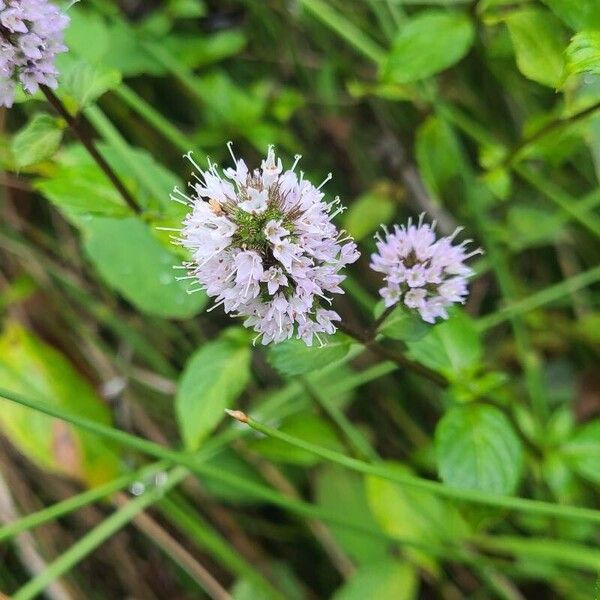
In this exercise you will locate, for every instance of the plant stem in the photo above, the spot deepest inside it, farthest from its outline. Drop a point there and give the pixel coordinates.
(509, 502)
(365, 338)
(192, 462)
(345, 29)
(541, 298)
(356, 440)
(84, 138)
(94, 538)
(513, 156)
(76, 502)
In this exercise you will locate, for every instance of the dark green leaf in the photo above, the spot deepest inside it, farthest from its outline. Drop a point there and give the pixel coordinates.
(402, 324)
(477, 448)
(452, 347)
(294, 357)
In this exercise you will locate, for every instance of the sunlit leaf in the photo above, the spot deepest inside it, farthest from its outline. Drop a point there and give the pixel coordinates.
(539, 42)
(426, 44)
(37, 141)
(133, 262)
(391, 578)
(31, 367)
(212, 380)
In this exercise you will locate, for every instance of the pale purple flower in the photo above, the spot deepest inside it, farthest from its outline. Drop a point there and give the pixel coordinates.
(424, 273)
(264, 246)
(31, 35)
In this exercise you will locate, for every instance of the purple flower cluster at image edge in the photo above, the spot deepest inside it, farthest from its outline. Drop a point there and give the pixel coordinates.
(264, 246)
(31, 35)
(424, 273)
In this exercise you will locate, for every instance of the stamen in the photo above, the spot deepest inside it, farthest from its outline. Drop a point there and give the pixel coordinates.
(190, 157)
(230, 148)
(328, 178)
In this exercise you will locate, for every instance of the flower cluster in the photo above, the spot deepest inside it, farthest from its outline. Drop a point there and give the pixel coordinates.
(265, 248)
(31, 35)
(426, 273)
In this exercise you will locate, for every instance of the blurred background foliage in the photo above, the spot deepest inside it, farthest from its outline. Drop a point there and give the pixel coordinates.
(485, 114)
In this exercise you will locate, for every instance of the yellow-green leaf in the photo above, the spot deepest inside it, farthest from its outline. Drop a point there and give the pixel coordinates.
(31, 367)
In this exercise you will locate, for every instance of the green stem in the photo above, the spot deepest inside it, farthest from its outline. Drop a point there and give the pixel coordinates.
(356, 440)
(76, 502)
(555, 551)
(197, 529)
(509, 502)
(156, 119)
(193, 464)
(345, 29)
(87, 142)
(563, 200)
(541, 298)
(87, 544)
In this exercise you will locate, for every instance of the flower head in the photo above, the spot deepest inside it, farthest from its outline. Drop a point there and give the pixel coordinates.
(264, 247)
(425, 273)
(31, 35)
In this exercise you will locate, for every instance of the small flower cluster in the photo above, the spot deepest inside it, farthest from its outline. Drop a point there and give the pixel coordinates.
(426, 273)
(264, 247)
(31, 35)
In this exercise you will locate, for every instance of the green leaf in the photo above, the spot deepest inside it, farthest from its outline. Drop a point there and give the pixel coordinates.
(294, 357)
(414, 515)
(87, 35)
(577, 14)
(583, 451)
(538, 39)
(477, 448)
(402, 324)
(82, 190)
(368, 212)
(583, 53)
(198, 51)
(132, 261)
(341, 490)
(212, 380)
(390, 578)
(306, 427)
(438, 155)
(452, 347)
(31, 367)
(427, 44)
(37, 141)
(84, 83)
